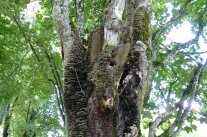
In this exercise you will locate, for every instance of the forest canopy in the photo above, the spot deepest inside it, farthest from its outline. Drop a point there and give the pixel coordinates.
(32, 58)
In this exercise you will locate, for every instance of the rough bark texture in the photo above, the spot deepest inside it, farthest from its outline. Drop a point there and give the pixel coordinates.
(119, 76)
(75, 96)
(106, 99)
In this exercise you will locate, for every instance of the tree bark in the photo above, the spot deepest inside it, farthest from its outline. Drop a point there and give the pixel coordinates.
(120, 76)
(2, 113)
(6, 121)
(104, 86)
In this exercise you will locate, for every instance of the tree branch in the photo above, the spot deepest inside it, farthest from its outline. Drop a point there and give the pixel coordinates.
(183, 117)
(170, 91)
(60, 14)
(190, 91)
(193, 53)
(9, 111)
(31, 46)
(27, 117)
(52, 66)
(59, 103)
(167, 100)
(56, 75)
(158, 120)
(79, 4)
(170, 22)
(111, 22)
(27, 39)
(178, 47)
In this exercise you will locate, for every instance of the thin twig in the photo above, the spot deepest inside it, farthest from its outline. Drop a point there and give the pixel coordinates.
(78, 81)
(27, 39)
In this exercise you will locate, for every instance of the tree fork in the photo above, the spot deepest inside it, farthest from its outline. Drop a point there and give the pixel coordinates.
(116, 102)
(118, 69)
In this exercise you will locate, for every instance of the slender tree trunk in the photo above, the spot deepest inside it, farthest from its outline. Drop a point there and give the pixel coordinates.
(2, 113)
(104, 87)
(30, 119)
(6, 122)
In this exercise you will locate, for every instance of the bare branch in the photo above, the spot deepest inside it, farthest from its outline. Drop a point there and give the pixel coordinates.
(158, 120)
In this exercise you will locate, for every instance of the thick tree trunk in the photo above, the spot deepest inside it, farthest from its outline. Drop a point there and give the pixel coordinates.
(120, 75)
(104, 87)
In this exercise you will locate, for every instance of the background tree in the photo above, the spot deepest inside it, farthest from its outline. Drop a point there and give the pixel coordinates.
(116, 59)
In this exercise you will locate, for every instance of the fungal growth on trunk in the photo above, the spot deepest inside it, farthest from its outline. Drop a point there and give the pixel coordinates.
(105, 84)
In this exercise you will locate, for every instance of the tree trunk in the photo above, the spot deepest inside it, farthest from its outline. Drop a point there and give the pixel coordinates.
(104, 86)
(2, 113)
(30, 119)
(6, 121)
